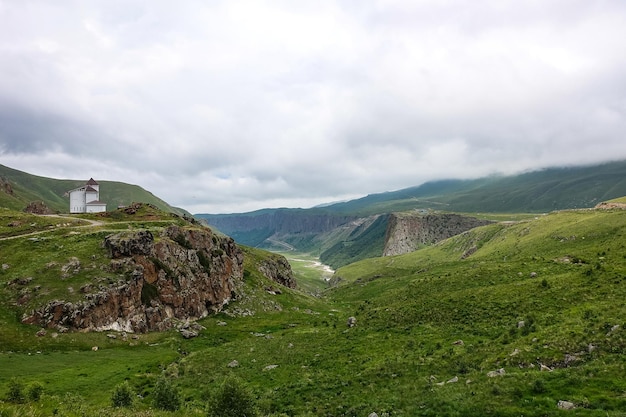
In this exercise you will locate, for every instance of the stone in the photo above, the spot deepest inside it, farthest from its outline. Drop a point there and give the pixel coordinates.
(458, 343)
(41, 333)
(351, 321)
(188, 334)
(565, 405)
(544, 368)
(270, 367)
(233, 364)
(453, 380)
(521, 324)
(499, 372)
(372, 415)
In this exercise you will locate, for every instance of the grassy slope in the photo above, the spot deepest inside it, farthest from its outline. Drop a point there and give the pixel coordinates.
(28, 188)
(562, 274)
(538, 191)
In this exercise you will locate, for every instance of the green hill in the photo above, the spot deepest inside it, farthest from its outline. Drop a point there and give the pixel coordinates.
(508, 319)
(20, 188)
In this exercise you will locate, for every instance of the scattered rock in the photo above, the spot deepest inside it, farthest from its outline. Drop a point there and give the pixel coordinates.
(270, 367)
(453, 380)
(533, 274)
(37, 207)
(545, 368)
(233, 364)
(188, 333)
(5, 267)
(372, 415)
(458, 343)
(111, 336)
(521, 324)
(591, 348)
(499, 372)
(515, 352)
(566, 405)
(351, 321)
(221, 323)
(41, 333)
(94, 348)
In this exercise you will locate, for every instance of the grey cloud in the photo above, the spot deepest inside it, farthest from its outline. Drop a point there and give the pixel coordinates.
(235, 104)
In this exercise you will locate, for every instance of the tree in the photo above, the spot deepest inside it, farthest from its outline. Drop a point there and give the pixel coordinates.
(166, 396)
(233, 399)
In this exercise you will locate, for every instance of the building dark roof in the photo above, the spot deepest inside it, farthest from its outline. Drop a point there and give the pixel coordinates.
(92, 182)
(91, 189)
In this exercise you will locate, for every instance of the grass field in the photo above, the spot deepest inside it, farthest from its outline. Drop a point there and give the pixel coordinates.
(507, 320)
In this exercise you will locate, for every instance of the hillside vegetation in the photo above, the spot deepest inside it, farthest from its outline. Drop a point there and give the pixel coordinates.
(508, 319)
(18, 189)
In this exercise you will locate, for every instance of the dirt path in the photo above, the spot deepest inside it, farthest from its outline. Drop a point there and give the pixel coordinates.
(91, 223)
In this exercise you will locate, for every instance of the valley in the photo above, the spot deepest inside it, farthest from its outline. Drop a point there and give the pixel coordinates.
(472, 314)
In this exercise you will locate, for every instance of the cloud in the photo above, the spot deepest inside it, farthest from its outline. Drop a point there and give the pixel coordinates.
(238, 105)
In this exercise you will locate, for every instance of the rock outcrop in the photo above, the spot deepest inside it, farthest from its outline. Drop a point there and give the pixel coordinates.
(37, 207)
(278, 269)
(407, 232)
(184, 273)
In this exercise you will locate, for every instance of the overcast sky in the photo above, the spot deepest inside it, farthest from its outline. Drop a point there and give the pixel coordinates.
(230, 106)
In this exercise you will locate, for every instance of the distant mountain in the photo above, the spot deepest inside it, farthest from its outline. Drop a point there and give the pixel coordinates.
(339, 234)
(18, 189)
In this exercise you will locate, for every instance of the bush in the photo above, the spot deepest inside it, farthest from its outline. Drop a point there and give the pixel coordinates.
(233, 400)
(34, 391)
(166, 396)
(16, 391)
(122, 395)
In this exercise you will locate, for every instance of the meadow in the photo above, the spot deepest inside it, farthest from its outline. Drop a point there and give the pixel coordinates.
(509, 319)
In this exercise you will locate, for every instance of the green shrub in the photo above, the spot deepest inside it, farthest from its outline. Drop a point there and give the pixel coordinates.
(165, 395)
(122, 395)
(34, 391)
(233, 400)
(16, 391)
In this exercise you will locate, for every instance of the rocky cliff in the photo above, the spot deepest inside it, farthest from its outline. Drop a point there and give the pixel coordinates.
(406, 232)
(183, 273)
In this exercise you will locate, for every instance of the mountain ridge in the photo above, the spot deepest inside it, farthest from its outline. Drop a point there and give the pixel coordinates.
(532, 192)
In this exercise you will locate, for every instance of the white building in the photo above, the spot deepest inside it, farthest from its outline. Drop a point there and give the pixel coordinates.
(86, 199)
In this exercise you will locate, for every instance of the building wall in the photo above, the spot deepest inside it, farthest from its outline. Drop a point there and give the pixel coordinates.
(96, 208)
(77, 201)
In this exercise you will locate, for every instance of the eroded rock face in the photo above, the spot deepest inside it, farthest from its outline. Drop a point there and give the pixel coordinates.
(407, 232)
(185, 273)
(278, 269)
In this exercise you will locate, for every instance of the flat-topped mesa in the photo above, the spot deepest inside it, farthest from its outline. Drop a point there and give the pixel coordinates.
(184, 273)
